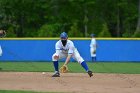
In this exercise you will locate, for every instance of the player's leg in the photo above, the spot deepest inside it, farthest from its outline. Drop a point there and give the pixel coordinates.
(80, 60)
(94, 59)
(55, 59)
(93, 54)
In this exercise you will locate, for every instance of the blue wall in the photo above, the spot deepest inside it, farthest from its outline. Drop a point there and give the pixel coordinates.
(42, 50)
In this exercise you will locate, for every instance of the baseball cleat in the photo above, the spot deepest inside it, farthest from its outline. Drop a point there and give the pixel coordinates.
(90, 73)
(56, 75)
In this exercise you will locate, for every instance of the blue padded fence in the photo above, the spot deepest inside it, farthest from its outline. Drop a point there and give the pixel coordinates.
(42, 50)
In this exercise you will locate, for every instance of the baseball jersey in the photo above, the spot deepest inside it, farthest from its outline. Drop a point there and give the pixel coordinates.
(67, 49)
(93, 43)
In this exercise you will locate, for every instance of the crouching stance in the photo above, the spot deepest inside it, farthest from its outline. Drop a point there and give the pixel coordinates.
(65, 49)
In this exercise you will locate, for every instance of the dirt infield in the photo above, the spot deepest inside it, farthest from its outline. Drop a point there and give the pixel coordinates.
(70, 82)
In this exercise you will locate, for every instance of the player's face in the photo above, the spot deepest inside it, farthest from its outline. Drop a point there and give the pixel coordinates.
(63, 38)
(64, 41)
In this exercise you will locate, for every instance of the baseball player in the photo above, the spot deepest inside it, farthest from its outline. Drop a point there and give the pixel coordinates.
(0, 54)
(0, 51)
(65, 49)
(2, 34)
(93, 46)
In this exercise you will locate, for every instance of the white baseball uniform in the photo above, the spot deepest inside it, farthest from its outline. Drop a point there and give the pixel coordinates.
(93, 47)
(68, 49)
(0, 51)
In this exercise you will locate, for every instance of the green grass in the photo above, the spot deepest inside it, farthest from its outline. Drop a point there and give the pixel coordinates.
(13, 91)
(74, 67)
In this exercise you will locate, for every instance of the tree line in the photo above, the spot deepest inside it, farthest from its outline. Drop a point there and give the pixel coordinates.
(79, 18)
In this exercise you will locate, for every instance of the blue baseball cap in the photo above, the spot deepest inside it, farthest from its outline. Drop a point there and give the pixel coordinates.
(92, 35)
(63, 35)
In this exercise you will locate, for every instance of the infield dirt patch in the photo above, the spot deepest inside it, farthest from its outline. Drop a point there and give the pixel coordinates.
(70, 82)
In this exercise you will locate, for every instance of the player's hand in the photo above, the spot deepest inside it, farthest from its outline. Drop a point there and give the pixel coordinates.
(56, 57)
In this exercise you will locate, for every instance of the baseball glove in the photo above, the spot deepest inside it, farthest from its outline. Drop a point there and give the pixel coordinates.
(64, 69)
(94, 52)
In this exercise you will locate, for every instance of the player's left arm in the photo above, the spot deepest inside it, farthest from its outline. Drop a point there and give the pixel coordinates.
(67, 59)
(64, 68)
